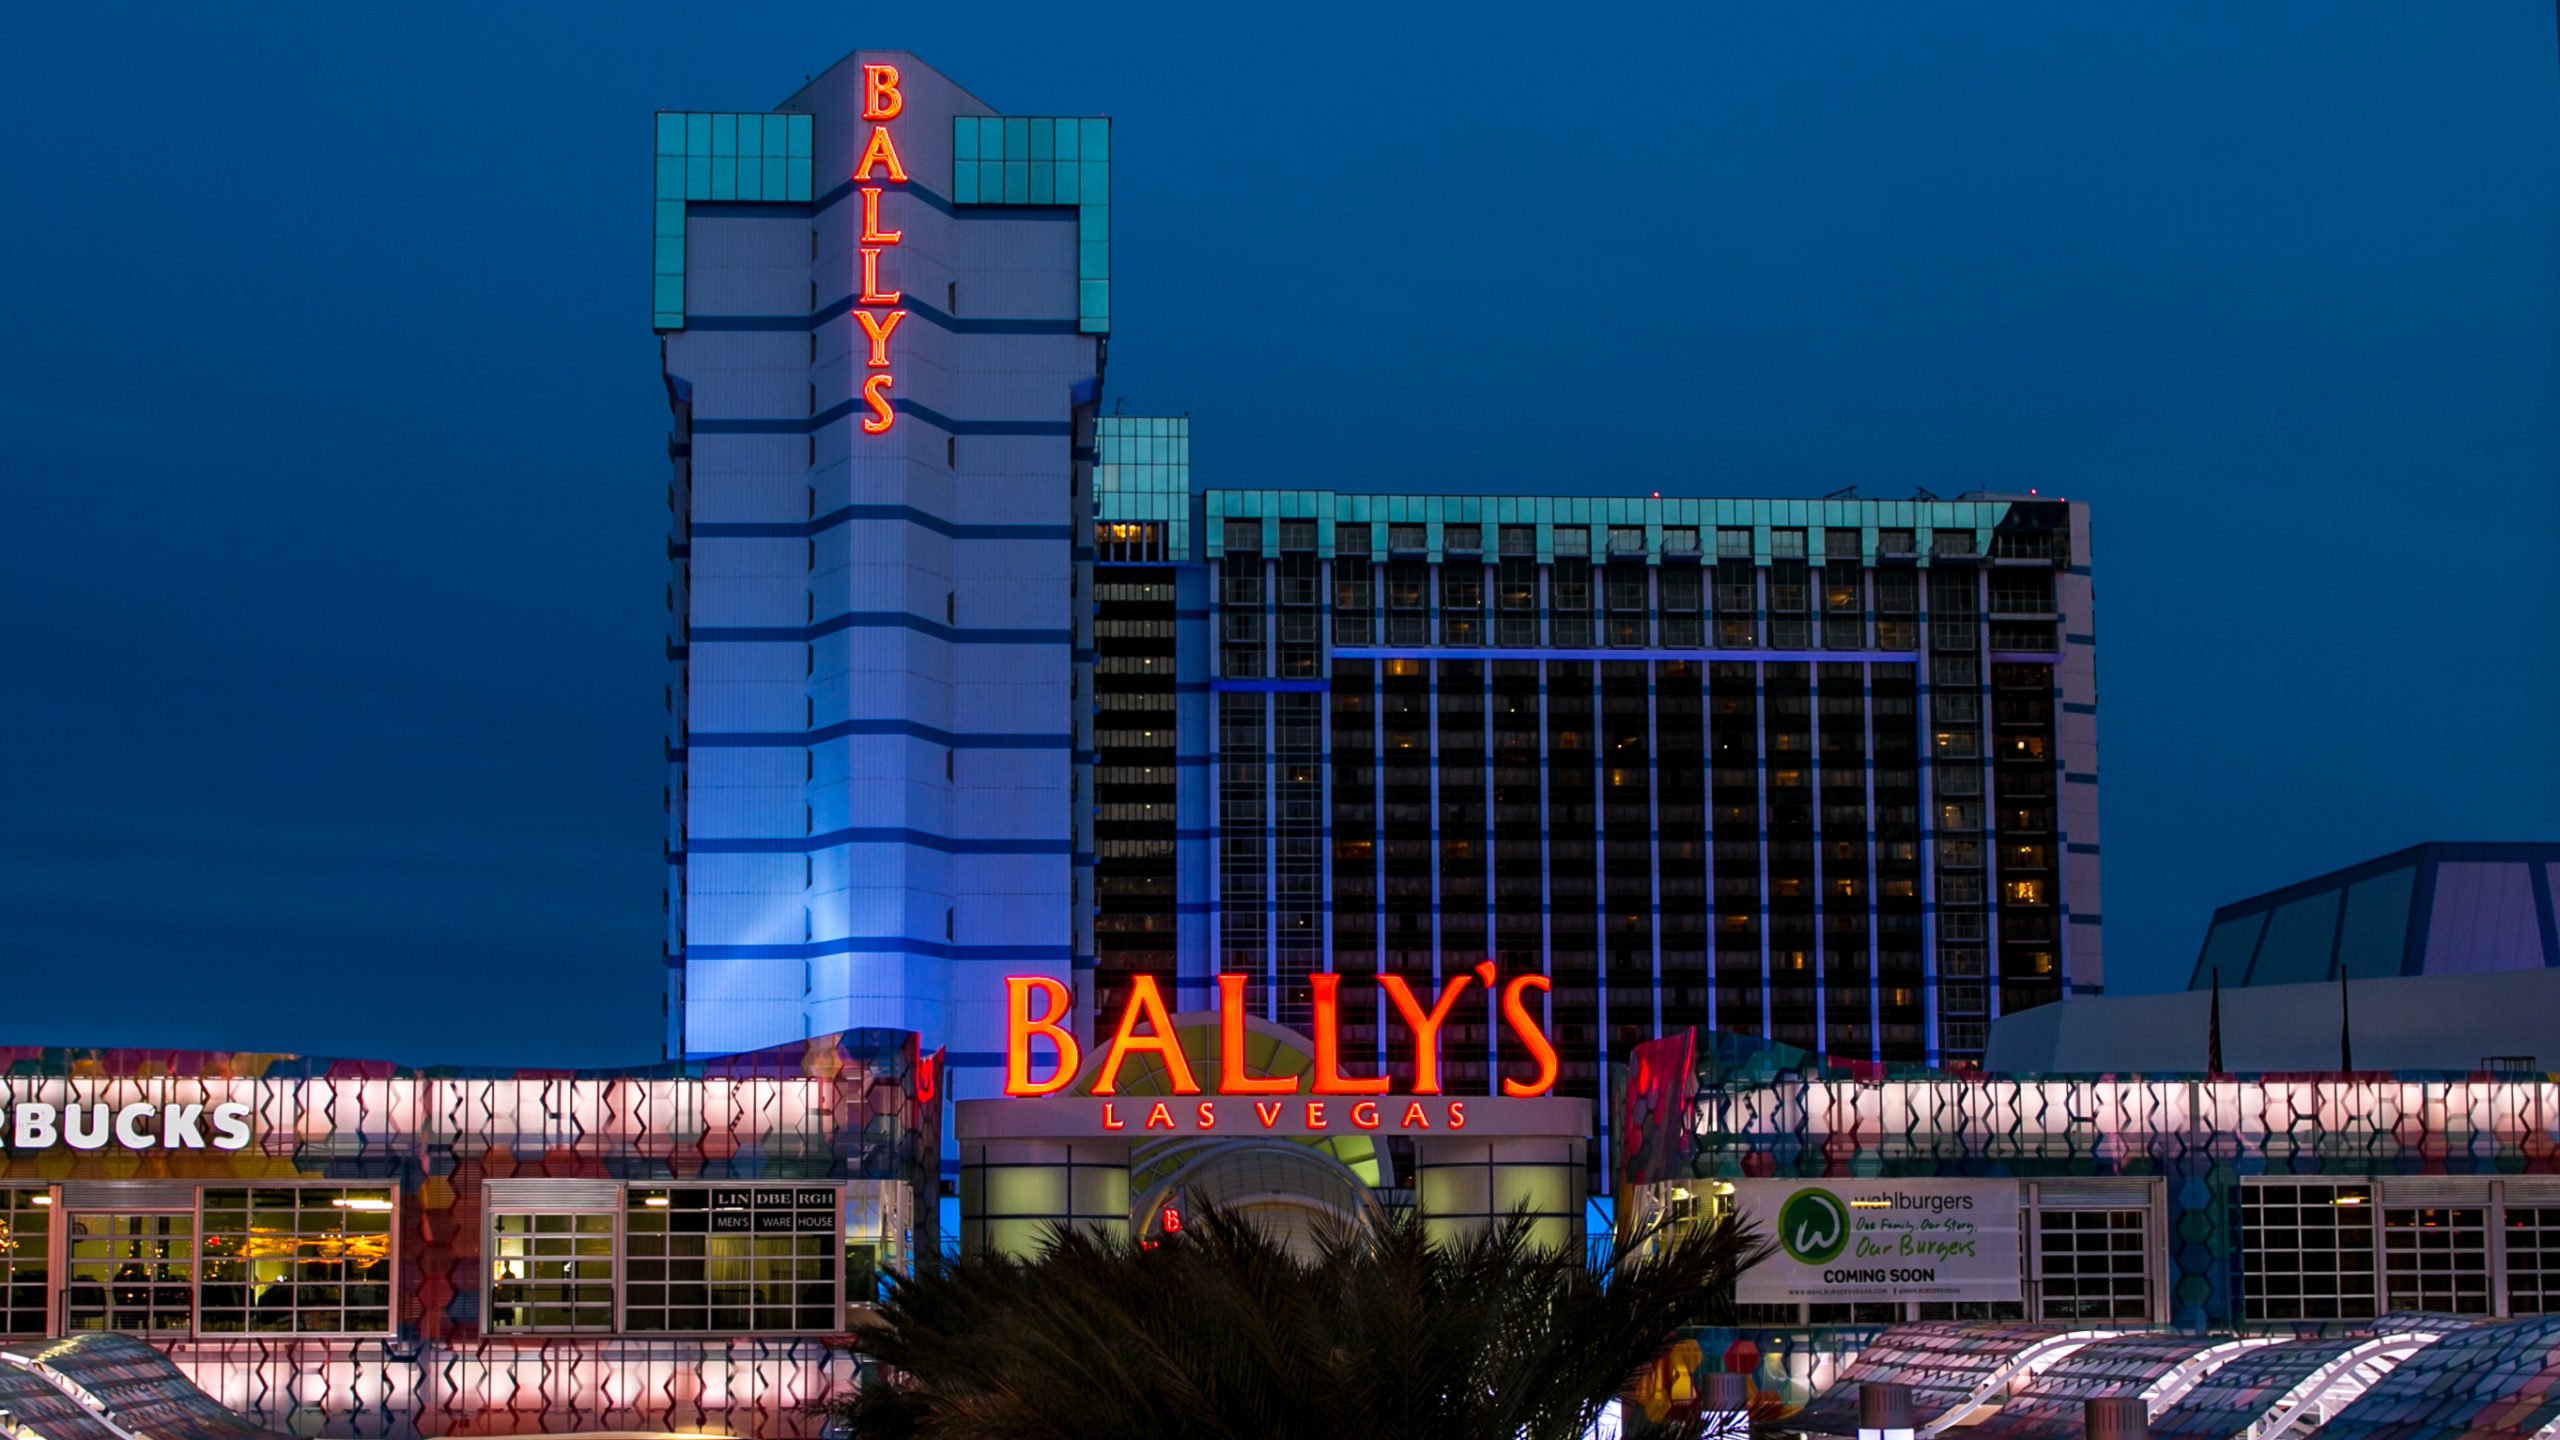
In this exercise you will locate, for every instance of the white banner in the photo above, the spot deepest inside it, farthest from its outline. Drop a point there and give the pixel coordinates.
(1842, 1240)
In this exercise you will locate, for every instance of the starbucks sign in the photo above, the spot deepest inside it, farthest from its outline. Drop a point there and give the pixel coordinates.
(1845, 1240)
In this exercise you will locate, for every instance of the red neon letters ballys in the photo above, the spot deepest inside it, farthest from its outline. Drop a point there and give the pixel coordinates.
(1036, 1005)
(881, 103)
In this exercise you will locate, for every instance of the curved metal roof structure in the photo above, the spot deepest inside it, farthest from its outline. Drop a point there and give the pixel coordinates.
(2487, 1382)
(1953, 1369)
(115, 1387)
(2278, 1389)
(2157, 1368)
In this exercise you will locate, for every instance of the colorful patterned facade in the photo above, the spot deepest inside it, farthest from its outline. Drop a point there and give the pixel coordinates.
(1763, 1110)
(168, 1205)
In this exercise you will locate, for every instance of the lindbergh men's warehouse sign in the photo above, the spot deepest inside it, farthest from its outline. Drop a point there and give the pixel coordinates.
(1882, 1239)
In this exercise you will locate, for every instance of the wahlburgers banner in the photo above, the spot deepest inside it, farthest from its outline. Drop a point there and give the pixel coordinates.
(1882, 1240)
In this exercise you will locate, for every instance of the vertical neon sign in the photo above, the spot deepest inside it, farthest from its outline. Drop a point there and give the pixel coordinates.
(881, 103)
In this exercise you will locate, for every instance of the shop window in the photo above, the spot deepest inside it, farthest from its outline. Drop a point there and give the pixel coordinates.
(731, 1258)
(550, 1272)
(131, 1272)
(2533, 1260)
(2437, 1258)
(2306, 1252)
(26, 1235)
(2089, 1265)
(1971, 1310)
(313, 1260)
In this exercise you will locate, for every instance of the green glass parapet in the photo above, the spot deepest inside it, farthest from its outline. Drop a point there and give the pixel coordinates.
(1623, 527)
(1051, 160)
(719, 156)
(1142, 475)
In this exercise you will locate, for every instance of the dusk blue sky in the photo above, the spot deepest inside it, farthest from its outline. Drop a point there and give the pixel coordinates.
(336, 464)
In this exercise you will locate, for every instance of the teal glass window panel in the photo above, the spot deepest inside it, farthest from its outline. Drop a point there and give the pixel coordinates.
(1093, 297)
(1068, 130)
(1044, 176)
(697, 134)
(670, 255)
(670, 132)
(1093, 224)
(669, 290)
(1093, 262)
(724, 178)
(1044, 140)
(750, 178)
(804, 134)
(1017, 182)
(1096, 140)
(671, 178)
(2299, 935)
(990, 137)
(799, 180)
(1017, 138)
(964, 138)
(1067, 188)
(1096, 182)
(2227, 947)
(777, 135)
(776, 180)
(964, 182)
(724, 135)
(697, 177)
(2377, 929)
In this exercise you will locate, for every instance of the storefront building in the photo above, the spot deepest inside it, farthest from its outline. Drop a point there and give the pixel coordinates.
(2251, 1204)
(360, 1248)
(2192, 1200)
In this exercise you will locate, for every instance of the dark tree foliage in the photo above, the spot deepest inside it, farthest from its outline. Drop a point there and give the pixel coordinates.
(1224, 1332)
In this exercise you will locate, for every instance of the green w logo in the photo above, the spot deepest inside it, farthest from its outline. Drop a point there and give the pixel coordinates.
(1813, 1226)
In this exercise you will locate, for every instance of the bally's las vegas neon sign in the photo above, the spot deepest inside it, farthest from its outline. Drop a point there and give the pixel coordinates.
(1037, 1006)
(876, 309)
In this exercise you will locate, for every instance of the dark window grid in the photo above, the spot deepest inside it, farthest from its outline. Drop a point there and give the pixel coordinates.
(2437, 1259)
(2307, 1252)
(761, 1257)
(2533, 1260)
(2092, 1265)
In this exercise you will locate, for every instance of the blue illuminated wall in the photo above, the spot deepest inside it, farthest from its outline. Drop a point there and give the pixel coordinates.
(876, 669)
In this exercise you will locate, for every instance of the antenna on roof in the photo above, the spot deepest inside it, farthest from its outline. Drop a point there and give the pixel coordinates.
(2213, 1028)
(1845, 492)
(1922, 492)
